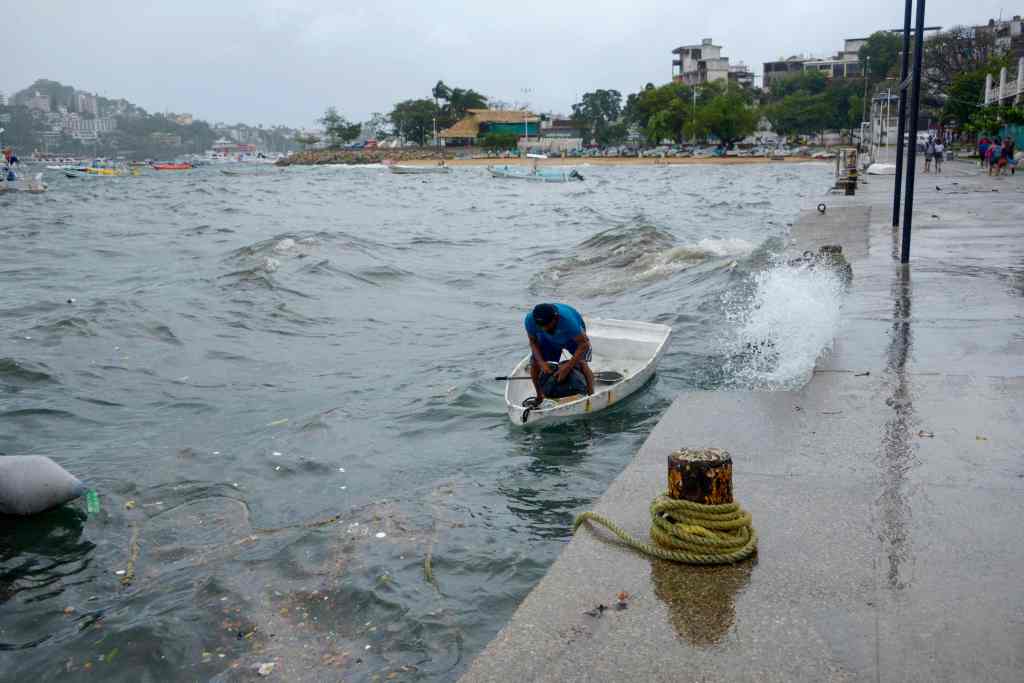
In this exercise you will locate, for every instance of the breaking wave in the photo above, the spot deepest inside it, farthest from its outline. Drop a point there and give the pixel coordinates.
(625, 257)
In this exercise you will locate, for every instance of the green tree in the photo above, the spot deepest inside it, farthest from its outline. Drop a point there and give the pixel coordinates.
(459, 101)
(800, 113)
(806, 82)
(728, 116)
(414, 119)
(596, 112)
(882, 49)
(441, 92)
(307, 139)
(660, 112)
(966, 92)
(337, 128)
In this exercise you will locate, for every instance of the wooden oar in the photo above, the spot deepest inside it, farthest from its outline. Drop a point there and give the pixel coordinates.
(604, 377)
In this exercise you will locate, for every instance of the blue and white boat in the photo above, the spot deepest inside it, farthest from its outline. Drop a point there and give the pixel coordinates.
(537, 175)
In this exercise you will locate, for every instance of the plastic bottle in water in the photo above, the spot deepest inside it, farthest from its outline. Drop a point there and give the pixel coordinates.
(92, 502)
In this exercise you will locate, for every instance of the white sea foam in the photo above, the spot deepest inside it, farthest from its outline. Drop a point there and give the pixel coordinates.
(732, 246)
(779, 333)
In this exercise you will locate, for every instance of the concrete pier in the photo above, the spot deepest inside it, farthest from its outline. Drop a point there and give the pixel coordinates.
(888, 492)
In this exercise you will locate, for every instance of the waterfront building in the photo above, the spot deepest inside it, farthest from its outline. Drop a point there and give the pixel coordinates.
(782, 68)
(227, 149)
(183, 119)
(844, 64)
(696, 64)
(3, 99)
(480, 122)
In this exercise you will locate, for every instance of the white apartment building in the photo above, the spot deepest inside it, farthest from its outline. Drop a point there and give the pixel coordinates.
(696, 64)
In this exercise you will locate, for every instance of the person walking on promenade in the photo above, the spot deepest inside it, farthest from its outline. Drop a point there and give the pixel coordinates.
(983, 145)
(929, 153)
(940, 149)
(992, 155)
(1010, 153)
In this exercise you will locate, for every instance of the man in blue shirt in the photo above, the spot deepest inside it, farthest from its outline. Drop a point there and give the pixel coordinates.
(551, 329)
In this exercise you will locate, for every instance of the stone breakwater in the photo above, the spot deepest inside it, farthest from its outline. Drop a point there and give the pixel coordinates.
(359, 156)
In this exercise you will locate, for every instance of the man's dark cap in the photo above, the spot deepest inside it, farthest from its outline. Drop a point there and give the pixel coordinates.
(543, 314)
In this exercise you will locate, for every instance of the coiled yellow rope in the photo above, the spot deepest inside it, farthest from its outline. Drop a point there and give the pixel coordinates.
(689, 532)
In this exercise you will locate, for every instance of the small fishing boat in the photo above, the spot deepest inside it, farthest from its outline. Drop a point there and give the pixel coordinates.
(74, 173)
(416, 170)
(625, 353)
(537, 175)
(171, 167)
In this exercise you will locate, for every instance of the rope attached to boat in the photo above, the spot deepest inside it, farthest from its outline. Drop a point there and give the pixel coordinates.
(688, 532)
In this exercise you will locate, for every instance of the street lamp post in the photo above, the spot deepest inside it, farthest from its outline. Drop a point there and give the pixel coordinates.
(526, 126)
(867, 71)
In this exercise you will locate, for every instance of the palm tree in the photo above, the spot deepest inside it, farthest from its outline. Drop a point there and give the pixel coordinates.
(441, 92)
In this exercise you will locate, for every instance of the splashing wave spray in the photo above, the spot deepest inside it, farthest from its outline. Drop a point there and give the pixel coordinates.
(780, 331)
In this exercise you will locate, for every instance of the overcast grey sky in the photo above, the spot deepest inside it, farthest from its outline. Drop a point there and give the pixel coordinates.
(284, 61)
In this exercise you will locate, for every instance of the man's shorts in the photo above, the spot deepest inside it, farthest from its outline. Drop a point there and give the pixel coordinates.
(553, 356)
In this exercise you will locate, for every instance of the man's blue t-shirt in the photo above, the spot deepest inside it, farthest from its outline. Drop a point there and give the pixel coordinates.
(570, 325)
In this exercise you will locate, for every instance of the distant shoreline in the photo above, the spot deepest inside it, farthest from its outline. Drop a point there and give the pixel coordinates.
(425, 158)
(618, 161)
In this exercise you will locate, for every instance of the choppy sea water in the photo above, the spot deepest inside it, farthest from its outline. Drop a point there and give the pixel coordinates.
(281, 386)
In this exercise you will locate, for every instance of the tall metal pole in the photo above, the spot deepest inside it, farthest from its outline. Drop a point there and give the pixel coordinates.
(901, 128)
(915, 109)
(864, 108)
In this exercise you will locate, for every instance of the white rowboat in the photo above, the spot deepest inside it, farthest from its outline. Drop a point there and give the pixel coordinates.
(629, 347)
(414, 170)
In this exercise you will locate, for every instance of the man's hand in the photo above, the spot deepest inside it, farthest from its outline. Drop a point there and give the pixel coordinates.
(563, 373)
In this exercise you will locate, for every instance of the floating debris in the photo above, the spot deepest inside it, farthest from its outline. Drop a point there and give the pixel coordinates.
(380, 534)
(597, 611)
(926, 435)
(265, 669)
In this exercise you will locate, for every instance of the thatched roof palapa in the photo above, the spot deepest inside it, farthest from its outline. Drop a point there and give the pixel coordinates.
(469, 127)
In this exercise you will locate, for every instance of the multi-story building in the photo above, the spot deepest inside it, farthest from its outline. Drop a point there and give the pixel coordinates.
(86, 103)
(844, 64)
(782, 68)
(168, 139)
(740, 74)
(3, 99)
(1008, 35)
(73, 123)
(696, 64)
(39, 102)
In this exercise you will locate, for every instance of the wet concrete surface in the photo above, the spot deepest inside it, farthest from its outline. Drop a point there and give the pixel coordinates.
(888, 504)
